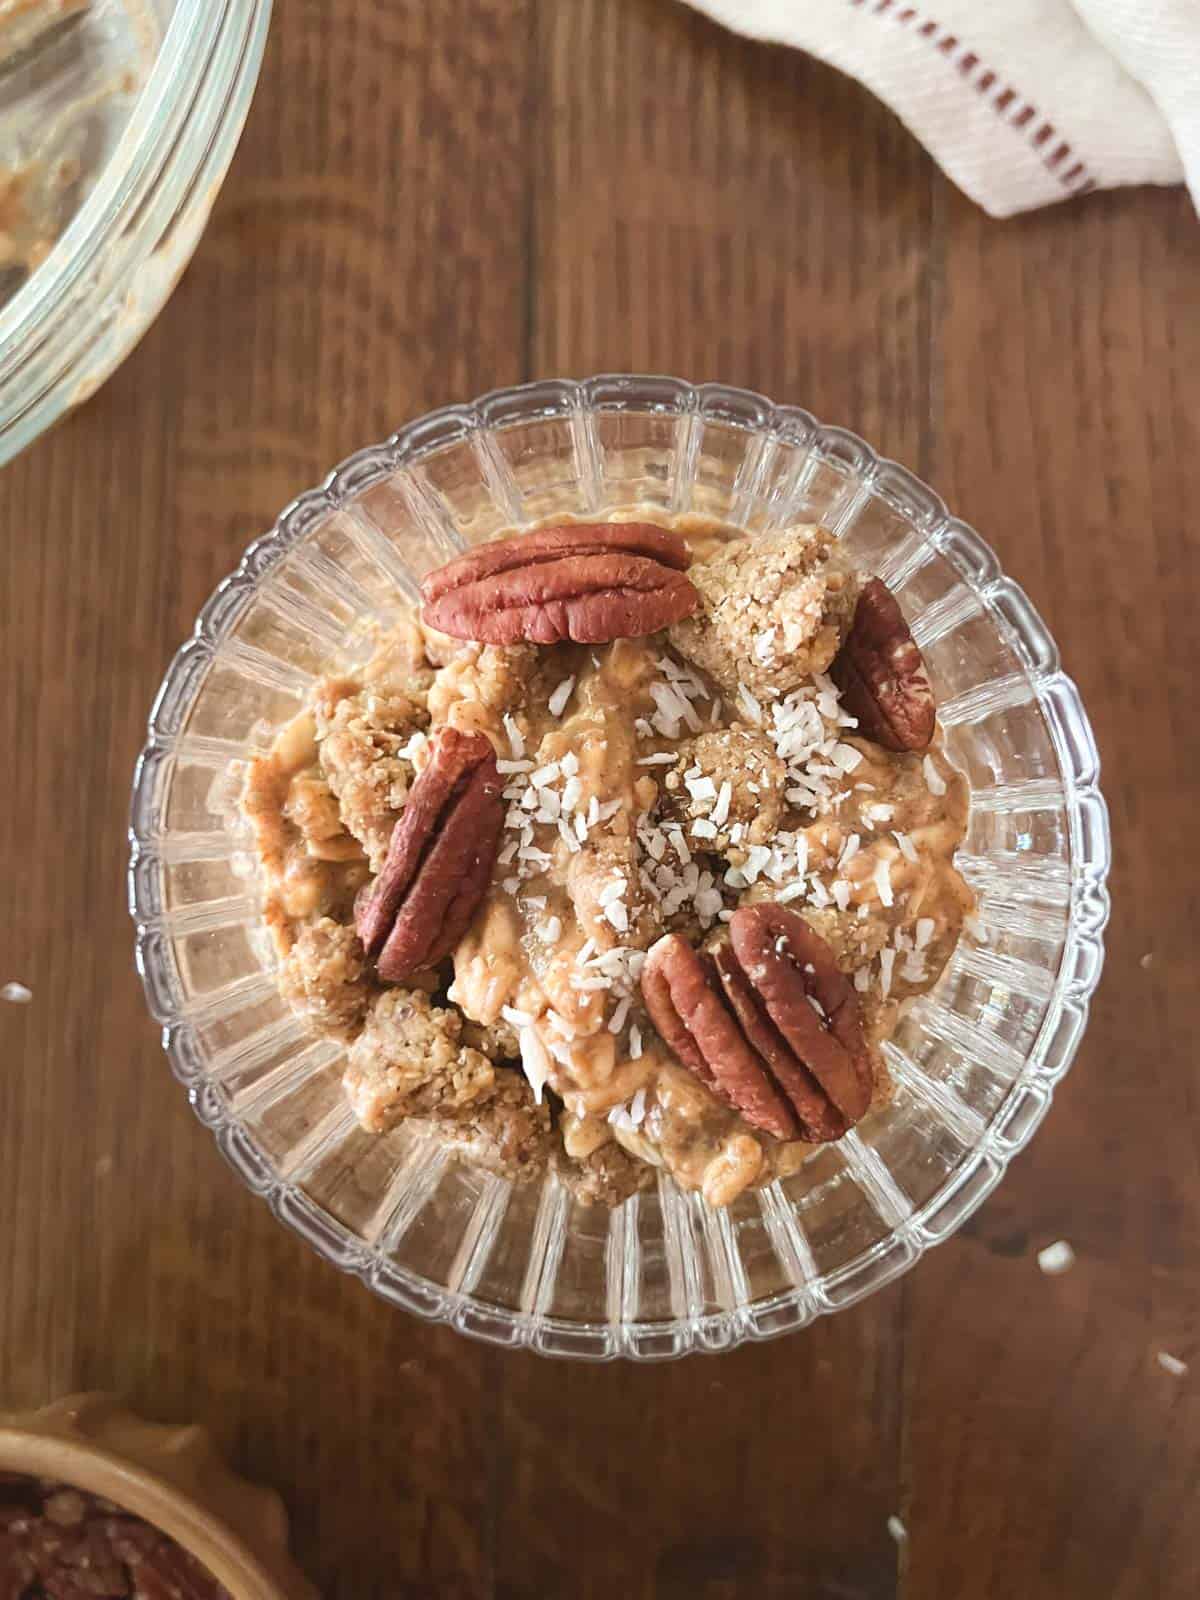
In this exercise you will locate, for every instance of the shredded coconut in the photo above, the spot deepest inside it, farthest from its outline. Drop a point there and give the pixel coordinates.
(883, 883)
(535, 1061)
(557, 703)
(1056, 1258)
(887, 960)
(934, 781)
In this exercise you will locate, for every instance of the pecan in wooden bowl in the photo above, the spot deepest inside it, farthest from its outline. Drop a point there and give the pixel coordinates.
(94, 1502)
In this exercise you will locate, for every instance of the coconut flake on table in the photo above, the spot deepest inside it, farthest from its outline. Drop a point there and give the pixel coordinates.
(635, 1043)
(907, 848)
(16, 994)
(665, 758)
(516, 739)
(1056, 1258)
(637, 1108)
(1171, 1364)
(897, 1529)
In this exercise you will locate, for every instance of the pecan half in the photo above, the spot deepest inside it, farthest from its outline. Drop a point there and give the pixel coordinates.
(767, 1021)
(439, 858)
(882, 675)
(590, 582)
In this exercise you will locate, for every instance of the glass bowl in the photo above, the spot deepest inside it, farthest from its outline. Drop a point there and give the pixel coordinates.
(974, 1063)
(158, 170)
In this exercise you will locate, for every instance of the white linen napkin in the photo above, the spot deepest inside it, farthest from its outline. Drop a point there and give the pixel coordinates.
(1020, 102)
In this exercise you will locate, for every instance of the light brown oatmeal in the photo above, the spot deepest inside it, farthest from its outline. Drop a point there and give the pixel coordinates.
(643, 791)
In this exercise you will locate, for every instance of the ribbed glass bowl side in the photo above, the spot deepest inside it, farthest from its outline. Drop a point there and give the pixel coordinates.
(974, 1064)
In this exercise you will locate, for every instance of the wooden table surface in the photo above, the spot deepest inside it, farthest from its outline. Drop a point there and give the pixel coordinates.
(431, 200)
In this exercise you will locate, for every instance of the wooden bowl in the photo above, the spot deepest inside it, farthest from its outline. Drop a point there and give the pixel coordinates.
(171, 1477)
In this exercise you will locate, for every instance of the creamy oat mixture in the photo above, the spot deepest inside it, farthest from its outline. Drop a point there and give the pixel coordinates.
(651, 785)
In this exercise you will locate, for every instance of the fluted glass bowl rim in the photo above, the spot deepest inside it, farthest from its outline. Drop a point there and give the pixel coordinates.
(1007, 608)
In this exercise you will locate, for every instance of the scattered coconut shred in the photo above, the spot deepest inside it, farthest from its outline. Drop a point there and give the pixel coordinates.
(1172, 1364)
(1056, 1258)
(806, 728)
(16, 994)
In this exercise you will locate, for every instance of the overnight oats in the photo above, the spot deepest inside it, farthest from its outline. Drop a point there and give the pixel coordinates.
(622, 854)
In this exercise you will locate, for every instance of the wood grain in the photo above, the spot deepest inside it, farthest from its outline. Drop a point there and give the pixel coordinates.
(430, 201)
